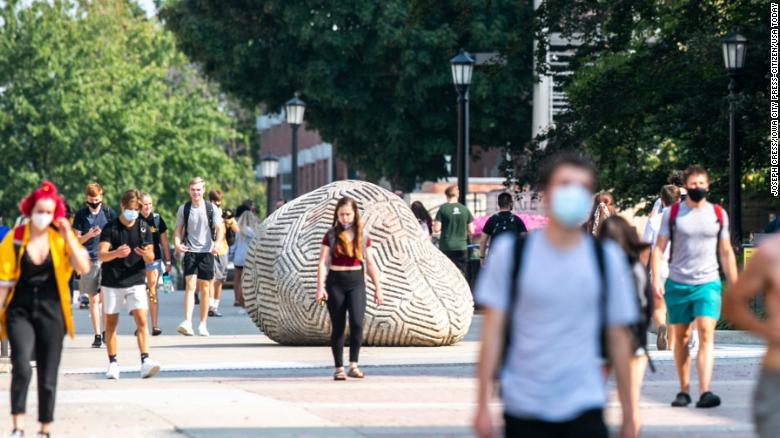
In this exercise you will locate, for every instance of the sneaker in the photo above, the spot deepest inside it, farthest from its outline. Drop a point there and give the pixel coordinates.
(185, 328)
(682, 400)
(113, 371)
(214, 311)
(662, 340)
(156, 331)
(149, 368)
(83, 302)
(42, 435)
(693, 343)
(17, 433)
(708, 400)
(98, 342)
(202, 330)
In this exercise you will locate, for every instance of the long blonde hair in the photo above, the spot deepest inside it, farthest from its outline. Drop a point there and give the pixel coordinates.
(342, 240)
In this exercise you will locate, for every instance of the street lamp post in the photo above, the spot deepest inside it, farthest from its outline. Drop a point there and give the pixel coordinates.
(294, 109)
(734, 49)
(462, 67)
(269, 168)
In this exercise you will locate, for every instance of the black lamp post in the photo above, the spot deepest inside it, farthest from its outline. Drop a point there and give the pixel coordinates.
(269, 168)
(462, 67)
(294, 109)
(734, 49)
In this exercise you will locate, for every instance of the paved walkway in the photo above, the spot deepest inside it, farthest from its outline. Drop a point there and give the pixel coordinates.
(239, 383)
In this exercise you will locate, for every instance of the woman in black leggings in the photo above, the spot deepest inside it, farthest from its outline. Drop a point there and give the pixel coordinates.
(346, 248)
(35, 269)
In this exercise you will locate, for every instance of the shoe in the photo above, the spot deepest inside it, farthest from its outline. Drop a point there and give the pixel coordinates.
(113, 371)
(708, 400)
(214, 311)
(156, 331)
(17, 433)
(185, 328)
(682, 400)
(662, 338)
(693, 343)
(42, 435)
(202, 330)
(98, 342)
(83, 302)
(149, 368)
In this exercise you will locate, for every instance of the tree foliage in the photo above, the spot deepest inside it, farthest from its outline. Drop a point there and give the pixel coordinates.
(94, 91)
(374, 74)
(649, 92)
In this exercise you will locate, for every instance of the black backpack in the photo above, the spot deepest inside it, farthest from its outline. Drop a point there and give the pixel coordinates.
(505, 223)
(230, 236)
(209, 215)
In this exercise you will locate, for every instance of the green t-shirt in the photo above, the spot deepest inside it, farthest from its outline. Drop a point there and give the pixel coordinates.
(454, 219)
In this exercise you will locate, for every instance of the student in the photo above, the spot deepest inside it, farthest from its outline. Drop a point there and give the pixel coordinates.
(455, 223)
(545, 304)
(423, 218)
(36, 262)
(603, 207)
(503, 221)
(126, 247)
(247, 222)
(341, 283)
(162, 256)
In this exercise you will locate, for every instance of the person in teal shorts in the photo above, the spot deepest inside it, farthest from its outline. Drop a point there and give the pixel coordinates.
(698, 232)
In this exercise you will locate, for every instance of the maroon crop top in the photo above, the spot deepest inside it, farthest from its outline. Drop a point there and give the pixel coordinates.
(340, 259)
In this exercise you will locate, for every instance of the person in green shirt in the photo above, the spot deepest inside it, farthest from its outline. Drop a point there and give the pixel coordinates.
(455, 223)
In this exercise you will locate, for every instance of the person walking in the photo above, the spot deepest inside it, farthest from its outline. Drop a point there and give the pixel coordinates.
(603, 207)
(247, 223)
(761, 277)
(670, 194)
(227, 228)
(543, 316)
(423, 218)
(88, 223)
(345, 255)
(36, 262)
(698, 233)
(197, 236)
(455, 223)
(126, 247)
(503, 221)
(162, 257)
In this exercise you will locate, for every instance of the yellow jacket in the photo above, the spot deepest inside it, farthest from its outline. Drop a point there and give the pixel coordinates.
(10, 270)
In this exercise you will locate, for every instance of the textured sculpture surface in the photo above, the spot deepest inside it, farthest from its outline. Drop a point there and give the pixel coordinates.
(427, 302)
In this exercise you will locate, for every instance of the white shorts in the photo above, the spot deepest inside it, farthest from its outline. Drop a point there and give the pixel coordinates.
(134, 296)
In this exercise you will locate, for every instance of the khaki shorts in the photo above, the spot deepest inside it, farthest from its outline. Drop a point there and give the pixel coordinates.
(220, 267)
(134, 296)
(89, 283)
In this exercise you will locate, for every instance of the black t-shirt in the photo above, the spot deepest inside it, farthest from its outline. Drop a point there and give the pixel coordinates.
(156, 230)
(129, 271)
(504, 221)
(83, 220)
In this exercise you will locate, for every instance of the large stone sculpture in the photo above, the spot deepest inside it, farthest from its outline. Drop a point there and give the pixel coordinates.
(427, 302)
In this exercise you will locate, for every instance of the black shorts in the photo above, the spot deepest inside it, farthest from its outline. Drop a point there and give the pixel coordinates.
(200, 264)
(589, 424)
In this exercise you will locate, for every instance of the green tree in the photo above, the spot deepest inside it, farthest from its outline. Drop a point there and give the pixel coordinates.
(649, 91)
(374, 74)
(94, 91)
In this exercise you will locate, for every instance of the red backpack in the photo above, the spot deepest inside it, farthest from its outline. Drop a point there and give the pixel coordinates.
(673, 218)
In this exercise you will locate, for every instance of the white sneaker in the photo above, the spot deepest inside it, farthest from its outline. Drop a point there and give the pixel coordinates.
(17, 434)
(202, 330)
(185, 328)
(113, 371)
(149, 368)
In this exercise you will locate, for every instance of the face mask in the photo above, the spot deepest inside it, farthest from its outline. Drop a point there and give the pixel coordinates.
(41, 220)
(697, 194)
(94, 205)
(130, 215)
(571, 205)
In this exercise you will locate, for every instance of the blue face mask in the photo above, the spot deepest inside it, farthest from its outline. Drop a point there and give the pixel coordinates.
(130, 215)
(570, 205)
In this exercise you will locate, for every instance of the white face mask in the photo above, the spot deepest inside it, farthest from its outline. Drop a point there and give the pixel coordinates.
(41, 220)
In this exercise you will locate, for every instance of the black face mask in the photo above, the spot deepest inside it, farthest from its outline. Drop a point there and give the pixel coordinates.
(94, 205)
(697, 194)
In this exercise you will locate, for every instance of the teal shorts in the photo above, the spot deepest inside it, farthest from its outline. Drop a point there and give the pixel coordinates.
(686, 302)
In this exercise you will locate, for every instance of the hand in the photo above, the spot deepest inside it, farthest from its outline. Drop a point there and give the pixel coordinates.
(181, 248)
(214, 250)
(167, 267)
(321, 294)
(483, 424)
(122, 252)
(482, 262)
(93, 232)
(64, 228)
(146, 252)
(658, 288)
(378, 297)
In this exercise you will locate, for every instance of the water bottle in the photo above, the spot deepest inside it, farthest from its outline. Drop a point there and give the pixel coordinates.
(167, 284)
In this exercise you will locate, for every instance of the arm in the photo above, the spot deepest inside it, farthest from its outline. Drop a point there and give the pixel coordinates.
(728, 261)
(104, 252)
(220, 236)
(374, 274)
(491, 340)
(322, 272)
(483, 247)
(655, 265)
(470, 228)
(233, 225)
(620, 353)
(436, 227)
(166, 250)
(736, 303)
(79, 258)
(178, 245)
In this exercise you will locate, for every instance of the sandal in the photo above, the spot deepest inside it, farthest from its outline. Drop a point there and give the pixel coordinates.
(355, 372)
(339, 375)
(156, 331)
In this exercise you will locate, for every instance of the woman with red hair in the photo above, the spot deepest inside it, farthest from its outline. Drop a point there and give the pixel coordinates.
(36, 262)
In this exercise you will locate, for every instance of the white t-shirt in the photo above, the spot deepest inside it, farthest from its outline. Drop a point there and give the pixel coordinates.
(651, 236)
(553, 370)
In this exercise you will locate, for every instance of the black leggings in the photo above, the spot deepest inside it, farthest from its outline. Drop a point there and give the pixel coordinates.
(346, 292)
(35, 332)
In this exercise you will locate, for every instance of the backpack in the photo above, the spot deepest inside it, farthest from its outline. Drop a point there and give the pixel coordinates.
(332, 242)
(675, 210)
(209, 215)
(230, 236)
(507, 223)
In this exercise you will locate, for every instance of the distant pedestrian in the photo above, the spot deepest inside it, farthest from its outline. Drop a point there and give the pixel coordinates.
(162, 257)
(126, 247)
(423, 218)
(247, 223)
(455, 223)
(760, 277)
(547, 298)
(502, 222)
(36, 262)
(677, 179)
(345, 257)
(773, 226)
(228, 230)
(88, 223)
(603, 207)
